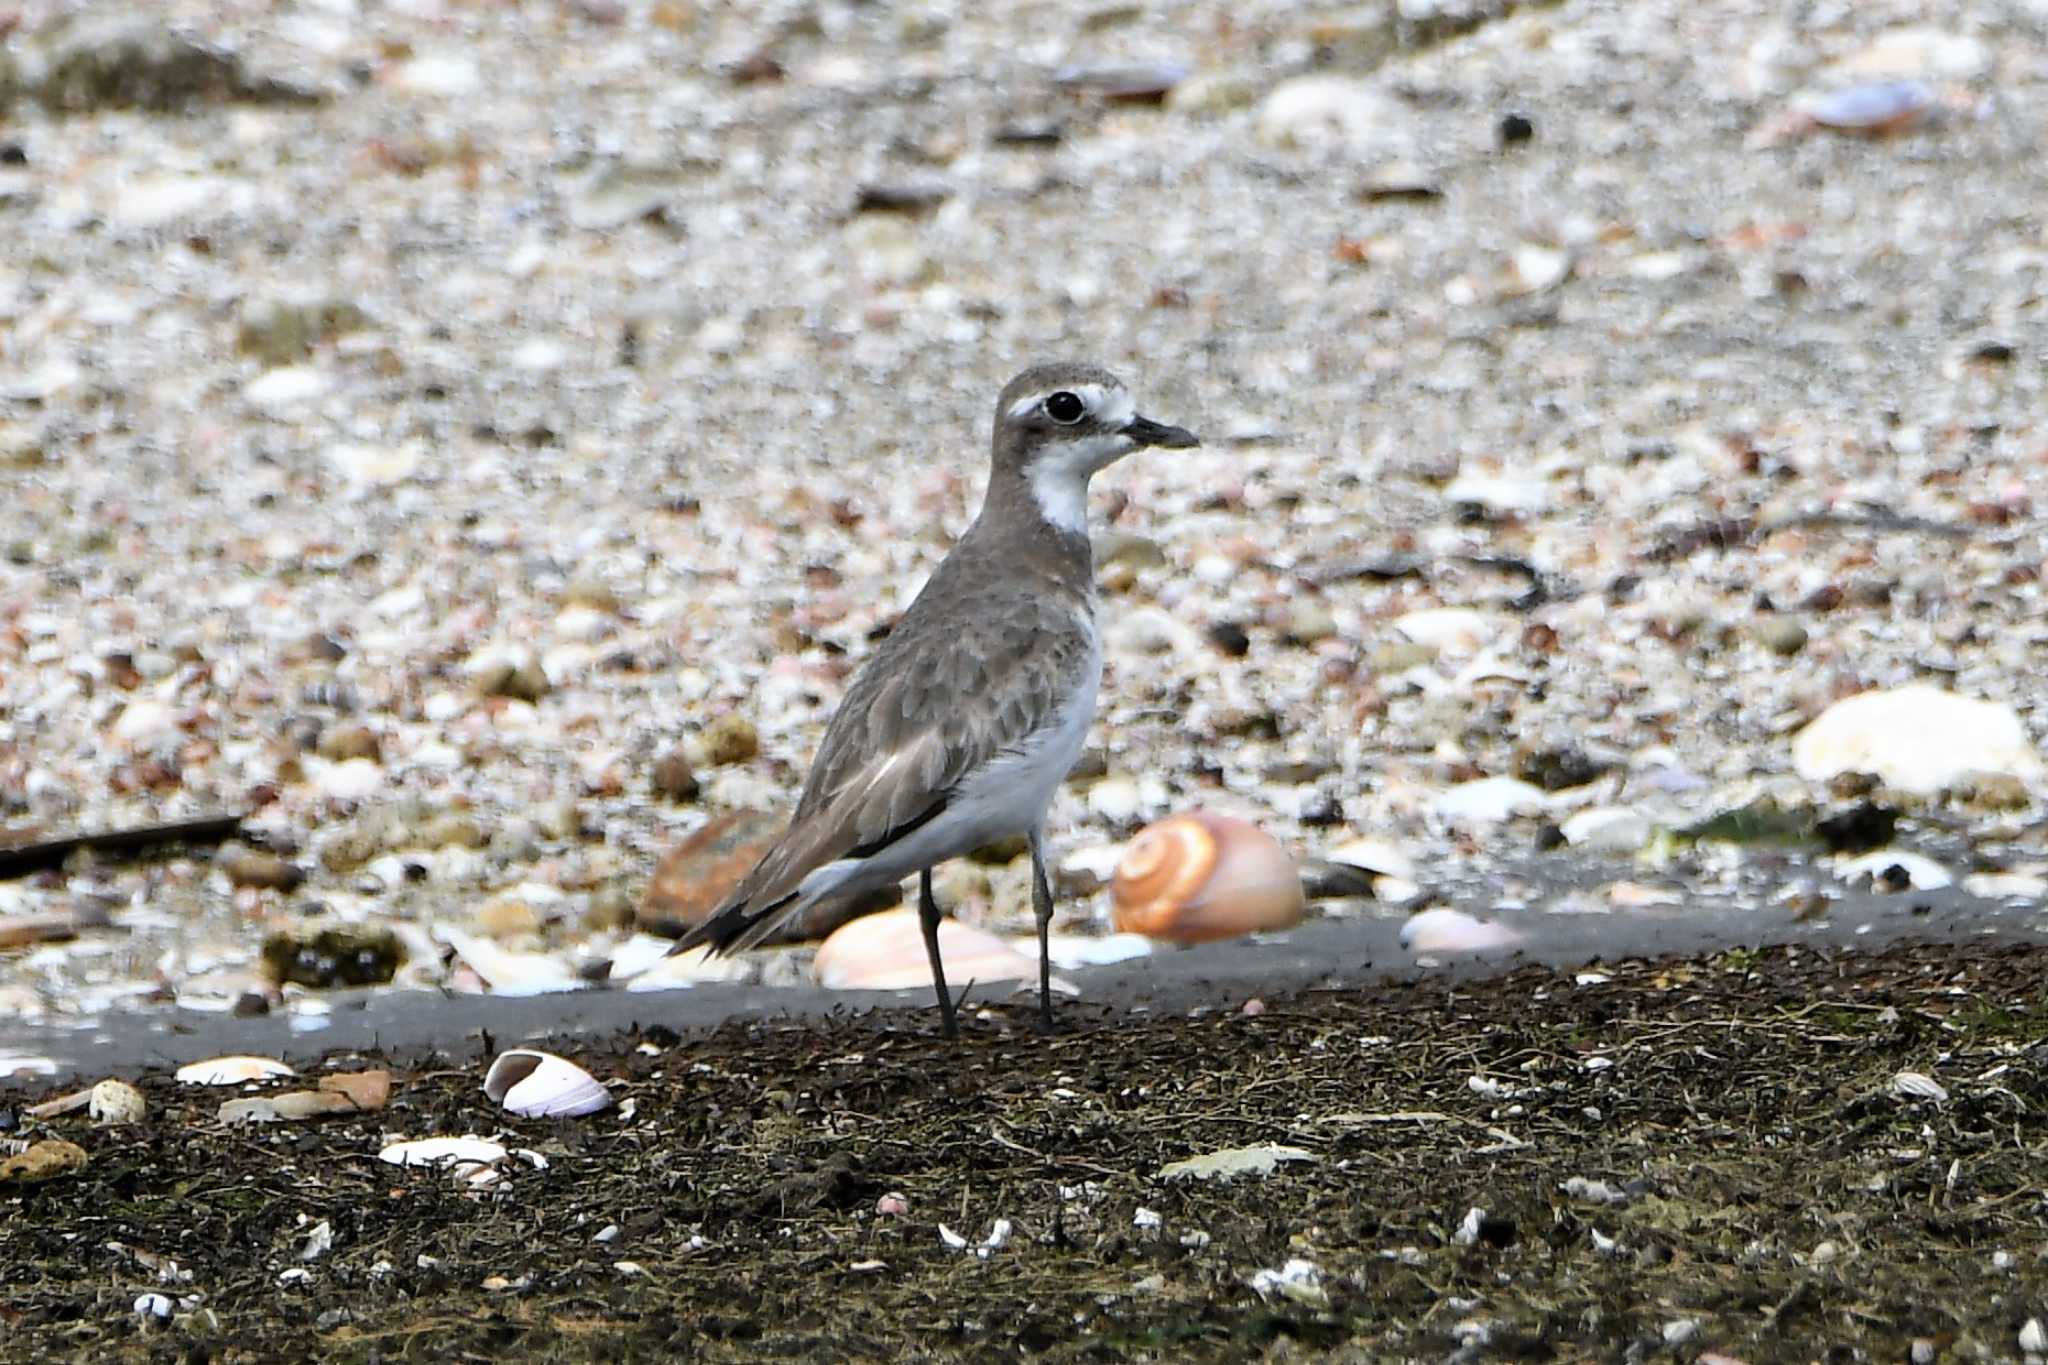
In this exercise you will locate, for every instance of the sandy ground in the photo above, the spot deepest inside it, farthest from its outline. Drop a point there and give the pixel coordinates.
(429, 419)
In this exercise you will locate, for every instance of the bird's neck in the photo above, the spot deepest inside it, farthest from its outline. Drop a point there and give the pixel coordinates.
(1045, 521)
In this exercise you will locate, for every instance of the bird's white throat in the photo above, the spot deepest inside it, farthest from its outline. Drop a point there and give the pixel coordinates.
(1059, 477)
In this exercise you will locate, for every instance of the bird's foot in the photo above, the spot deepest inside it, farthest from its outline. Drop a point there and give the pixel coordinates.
(949, 1011)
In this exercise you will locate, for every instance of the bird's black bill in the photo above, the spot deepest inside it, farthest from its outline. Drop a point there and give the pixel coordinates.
(1147, 432)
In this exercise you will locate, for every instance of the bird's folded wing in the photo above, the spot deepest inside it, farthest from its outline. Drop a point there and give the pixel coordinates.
(934, 704)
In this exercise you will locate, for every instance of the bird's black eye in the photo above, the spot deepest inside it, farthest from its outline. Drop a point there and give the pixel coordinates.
(1065, 408)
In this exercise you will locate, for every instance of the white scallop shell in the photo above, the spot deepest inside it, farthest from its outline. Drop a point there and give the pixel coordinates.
(540, 1085)
(232, 1070)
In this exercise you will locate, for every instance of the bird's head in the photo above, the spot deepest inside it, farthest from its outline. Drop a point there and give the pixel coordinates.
(1056, 425)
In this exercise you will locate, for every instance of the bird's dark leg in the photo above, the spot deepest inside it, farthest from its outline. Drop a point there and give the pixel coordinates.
(928, 917)
(1041, 904)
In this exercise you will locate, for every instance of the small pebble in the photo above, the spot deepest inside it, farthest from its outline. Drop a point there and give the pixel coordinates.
(1781, 635)
(1116, 800)
(728, 739)
(255, 867)
(559, 819)
(349, 741)
(1147, 630)
(354, 779)
(1118, 547)
(1230, 638)
(453, 829)
(593, 593)
(610, 910)
(1307, 620)
(508, 916)
(672, 777)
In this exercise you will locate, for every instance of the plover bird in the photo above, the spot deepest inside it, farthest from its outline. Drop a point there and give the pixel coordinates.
(961, 728)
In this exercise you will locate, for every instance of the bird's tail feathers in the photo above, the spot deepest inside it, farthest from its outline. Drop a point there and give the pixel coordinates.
(736, 926)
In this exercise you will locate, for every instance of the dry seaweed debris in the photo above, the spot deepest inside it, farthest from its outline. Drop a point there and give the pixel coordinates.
(1718, 1143)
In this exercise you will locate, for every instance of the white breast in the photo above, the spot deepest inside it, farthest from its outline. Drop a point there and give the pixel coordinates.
(1011, 792)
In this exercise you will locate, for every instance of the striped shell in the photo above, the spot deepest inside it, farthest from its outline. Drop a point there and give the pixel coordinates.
(1199, 876)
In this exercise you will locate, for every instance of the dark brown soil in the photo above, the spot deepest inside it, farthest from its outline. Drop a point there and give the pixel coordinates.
(1775, 1191)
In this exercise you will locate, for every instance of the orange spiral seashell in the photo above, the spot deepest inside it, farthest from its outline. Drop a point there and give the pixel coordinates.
(1199, 876)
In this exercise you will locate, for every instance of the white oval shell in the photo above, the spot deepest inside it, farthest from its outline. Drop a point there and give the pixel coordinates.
(232, 1070)
(115, 1102)
(541, 1085)
(442, 1151)
(1454, 931)
(1875, 106)
(885, 952)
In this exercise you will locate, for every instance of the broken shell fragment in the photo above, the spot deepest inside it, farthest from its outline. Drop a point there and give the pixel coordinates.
(232, 1071)
(645, 962)
(343, 1092)
(1380, 856)
(61, 1105)
(505, 972)
(1894, 869)
(289, 1107)
(362, 1089)
(442, 1151)
(1200, 876)
(115, 1102)
(540, 1085)
(472, 1160)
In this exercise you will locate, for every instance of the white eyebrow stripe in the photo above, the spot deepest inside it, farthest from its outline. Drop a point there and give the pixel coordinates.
(1116, 410)
(1111, 406)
